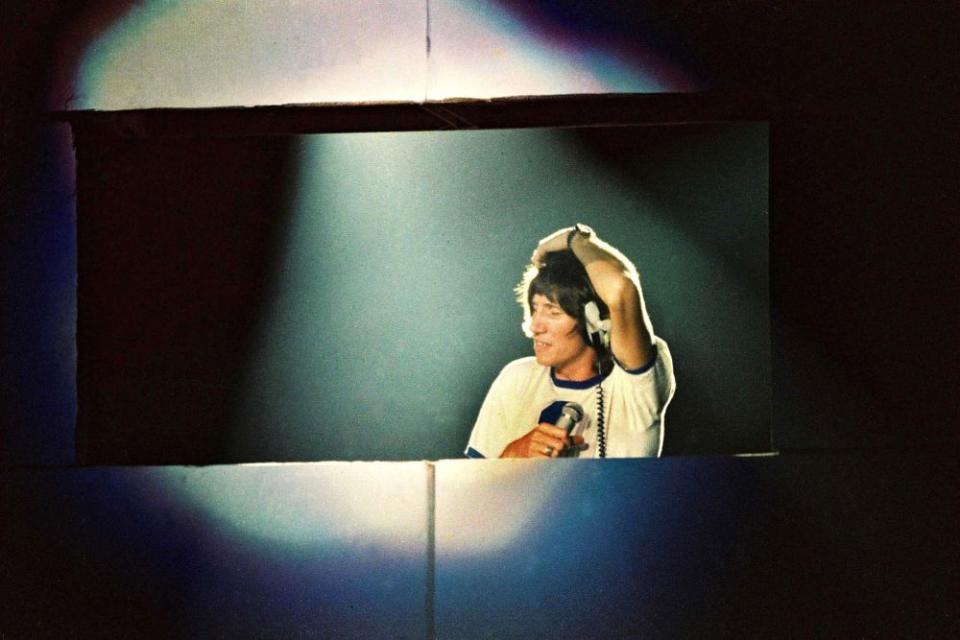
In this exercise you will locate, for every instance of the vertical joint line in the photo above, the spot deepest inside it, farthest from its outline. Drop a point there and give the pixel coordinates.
(431, 585)
(428, 28)
(426, 74)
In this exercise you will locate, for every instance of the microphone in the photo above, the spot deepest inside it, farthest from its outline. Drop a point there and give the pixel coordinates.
(570, 415)
(562, 414)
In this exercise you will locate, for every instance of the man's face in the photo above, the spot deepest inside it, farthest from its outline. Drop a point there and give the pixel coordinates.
(556, 341)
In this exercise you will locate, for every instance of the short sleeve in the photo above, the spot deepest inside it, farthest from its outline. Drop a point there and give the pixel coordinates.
(641, 397)
(486, 439)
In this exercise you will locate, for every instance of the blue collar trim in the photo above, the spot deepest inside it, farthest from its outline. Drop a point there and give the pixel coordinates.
(576, 384)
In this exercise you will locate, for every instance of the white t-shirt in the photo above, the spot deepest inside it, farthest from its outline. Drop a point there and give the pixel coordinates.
(634, 405)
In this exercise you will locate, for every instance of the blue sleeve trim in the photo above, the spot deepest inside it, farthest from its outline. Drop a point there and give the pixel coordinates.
(473, 453)
(646, 367)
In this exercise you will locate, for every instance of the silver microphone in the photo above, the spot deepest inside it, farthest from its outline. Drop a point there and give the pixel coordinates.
(570, 415)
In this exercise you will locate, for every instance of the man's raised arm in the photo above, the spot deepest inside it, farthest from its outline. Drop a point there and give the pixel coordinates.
(617, 283)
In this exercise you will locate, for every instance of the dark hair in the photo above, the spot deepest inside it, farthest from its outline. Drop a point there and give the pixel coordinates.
(563, 280)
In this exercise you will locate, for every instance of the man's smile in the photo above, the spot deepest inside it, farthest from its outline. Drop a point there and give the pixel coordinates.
(539, 345)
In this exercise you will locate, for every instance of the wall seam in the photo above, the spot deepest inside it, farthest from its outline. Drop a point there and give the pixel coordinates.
(431, 582)
(428, 44)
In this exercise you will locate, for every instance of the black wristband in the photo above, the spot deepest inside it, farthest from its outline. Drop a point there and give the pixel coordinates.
(576, 230)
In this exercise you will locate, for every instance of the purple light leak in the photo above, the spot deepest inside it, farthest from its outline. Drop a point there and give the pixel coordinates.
(76, 32)
(633, 37)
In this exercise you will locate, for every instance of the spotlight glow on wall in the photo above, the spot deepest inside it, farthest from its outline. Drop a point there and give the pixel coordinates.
(305, 507)
(209, 53)
(485, 508)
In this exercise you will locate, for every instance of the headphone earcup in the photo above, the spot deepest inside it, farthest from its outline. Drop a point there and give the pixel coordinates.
(598, 330)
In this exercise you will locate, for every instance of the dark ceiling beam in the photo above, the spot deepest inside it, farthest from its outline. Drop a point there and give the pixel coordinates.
(514, 112)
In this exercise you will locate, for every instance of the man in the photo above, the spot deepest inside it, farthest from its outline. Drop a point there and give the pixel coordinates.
(615, 368)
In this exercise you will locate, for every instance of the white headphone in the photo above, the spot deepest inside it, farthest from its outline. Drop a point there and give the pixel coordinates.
(598, 330)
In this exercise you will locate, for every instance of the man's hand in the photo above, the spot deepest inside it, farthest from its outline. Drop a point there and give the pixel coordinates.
(556, 241)
(544, 441)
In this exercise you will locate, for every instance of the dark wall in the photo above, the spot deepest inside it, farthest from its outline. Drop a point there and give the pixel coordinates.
(180, 241)
(37, 247)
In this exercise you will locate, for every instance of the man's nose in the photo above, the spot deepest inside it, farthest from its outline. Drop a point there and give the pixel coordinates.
(536, 323)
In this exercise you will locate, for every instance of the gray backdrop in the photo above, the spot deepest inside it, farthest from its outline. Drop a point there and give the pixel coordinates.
(392, 309)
